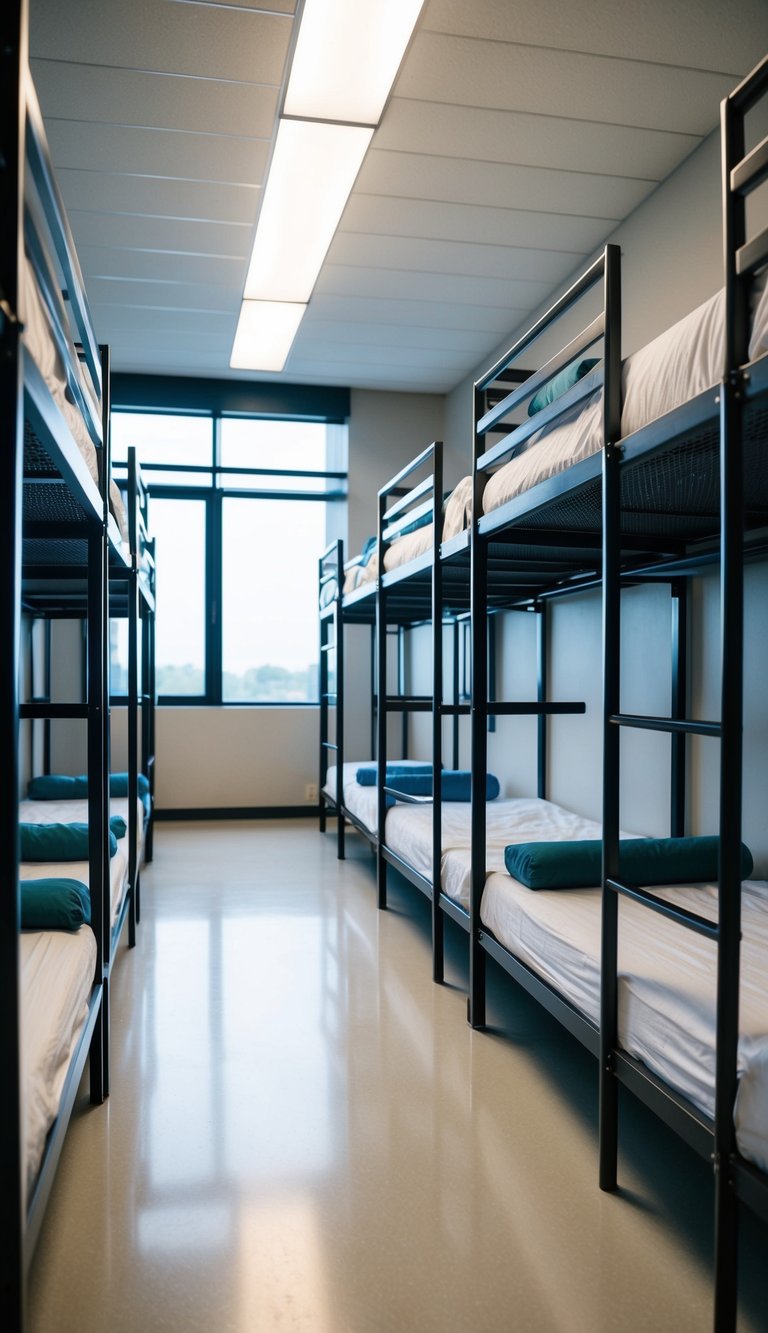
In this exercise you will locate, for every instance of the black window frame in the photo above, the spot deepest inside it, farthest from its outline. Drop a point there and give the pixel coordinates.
(290, 403)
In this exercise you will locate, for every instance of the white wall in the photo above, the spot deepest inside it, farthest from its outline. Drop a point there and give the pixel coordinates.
(208, 757)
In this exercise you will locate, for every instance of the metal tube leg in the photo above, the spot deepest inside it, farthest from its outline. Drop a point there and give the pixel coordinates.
(726, 1250)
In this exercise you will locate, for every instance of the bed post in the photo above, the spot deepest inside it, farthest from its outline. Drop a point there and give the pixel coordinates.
(678, 740)
(14, 61)
(455, 692)
(479, 738)
(608, 1086)
(438, 921)
(338, 621)
(323, 691)
(731, 719)
(381, 713)
(542, 666)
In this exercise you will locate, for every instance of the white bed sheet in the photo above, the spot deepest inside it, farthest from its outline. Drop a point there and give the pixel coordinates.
(76, 812)
(118, 874)
(666, 983)
(681, 363)
(57, 970)
(667, 973)
(458, 512)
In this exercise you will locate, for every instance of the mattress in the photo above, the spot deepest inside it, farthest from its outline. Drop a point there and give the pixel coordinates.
(666, 983)
(118, 873)
(57, 971)
(681, 363)
(39, 342)
(409, 828)
(458, 512)
(76, 812)
(361, 801)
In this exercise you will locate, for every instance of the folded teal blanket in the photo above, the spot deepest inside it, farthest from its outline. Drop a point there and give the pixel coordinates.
(61, 787)
(54, 904)
(645, 861)
(455, 784)
(367, 773)
(560, 384)
(58, 842)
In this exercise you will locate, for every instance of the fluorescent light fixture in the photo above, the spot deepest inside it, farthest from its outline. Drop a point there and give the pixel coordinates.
(347, 56)
(265, 333)
(312, 173)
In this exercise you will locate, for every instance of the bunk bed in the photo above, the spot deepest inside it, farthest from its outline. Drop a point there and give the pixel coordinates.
(665, 466)
(53, 593)
(54, 401)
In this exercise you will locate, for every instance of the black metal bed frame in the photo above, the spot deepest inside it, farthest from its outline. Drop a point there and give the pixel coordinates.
(689, 489)
(55, 521)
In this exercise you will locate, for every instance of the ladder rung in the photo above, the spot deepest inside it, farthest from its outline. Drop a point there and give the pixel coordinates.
(529, 708)
(681, 915)
(688, 726)
(409, 703)
(455, 710)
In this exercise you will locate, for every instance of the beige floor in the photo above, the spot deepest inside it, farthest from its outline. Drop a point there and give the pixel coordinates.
(303, 1133)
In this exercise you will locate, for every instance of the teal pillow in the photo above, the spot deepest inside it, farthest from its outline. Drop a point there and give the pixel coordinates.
(118, 784)
(118, 826)
(645, 861)
(57, 842)
(455, 785)
(61, 787)
(54, 904)
(561, 383)
(57, 787)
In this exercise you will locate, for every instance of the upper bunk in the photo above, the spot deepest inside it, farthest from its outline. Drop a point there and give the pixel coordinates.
(660, 409)
(67, 487)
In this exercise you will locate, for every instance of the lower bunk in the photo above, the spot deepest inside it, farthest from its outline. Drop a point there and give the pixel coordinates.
(549, 940)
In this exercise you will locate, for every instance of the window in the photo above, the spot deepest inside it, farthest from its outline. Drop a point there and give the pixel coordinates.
(241, 508)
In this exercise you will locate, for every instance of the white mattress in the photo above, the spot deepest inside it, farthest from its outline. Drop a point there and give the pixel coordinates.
(38, 340)
(681, 363)
(667, 973)
(118, 872)
(361, 801)
(57, 970)
(458, 512)
(666, 985)
(76, 812)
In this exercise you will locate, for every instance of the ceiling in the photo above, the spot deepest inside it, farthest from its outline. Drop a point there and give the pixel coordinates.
(519, 133)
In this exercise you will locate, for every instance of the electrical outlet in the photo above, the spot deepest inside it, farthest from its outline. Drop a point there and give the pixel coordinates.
(310, 791)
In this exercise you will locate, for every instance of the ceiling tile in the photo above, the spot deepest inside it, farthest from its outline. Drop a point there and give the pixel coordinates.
(161, 268)
(214, 42)
(530, 140)
(535, 269)
(170, 235)
(509, 77)
(161, 101)
(464, 181)
(411, 314)
(166, 153)
(468, 222)
(123, 320)
(411, 286)
(702, 34)
(161, 296)
(154, 196)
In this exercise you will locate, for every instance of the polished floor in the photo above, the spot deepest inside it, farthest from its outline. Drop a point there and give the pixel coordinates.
(304, 1135)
